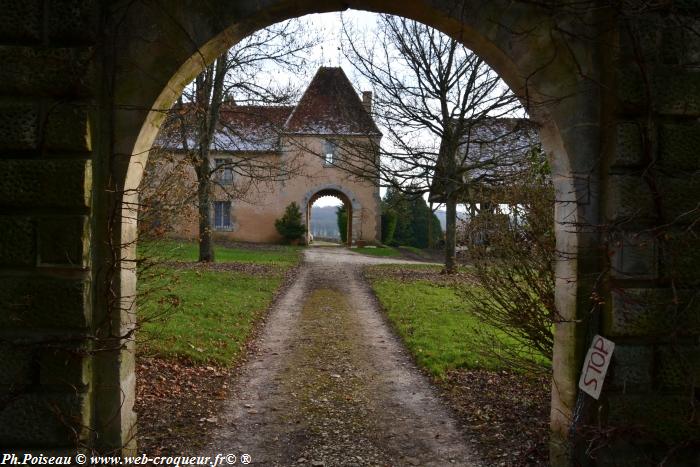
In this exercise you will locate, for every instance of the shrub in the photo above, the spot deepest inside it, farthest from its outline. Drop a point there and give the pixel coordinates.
(342, 216)
(290, 225)
(408, 220)
(515, 265)
(389, 220)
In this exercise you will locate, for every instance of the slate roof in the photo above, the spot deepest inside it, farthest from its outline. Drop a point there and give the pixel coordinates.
(329, 106)
(250, 128)
(506, 141)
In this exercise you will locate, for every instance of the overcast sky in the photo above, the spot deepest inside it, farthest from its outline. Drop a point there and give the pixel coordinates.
(328, 53)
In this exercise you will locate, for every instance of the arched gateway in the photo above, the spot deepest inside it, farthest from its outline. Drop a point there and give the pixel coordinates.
(363, 221)
(85, 86)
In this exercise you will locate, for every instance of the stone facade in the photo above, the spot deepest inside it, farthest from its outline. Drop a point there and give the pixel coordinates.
(269, 157)
(83, 89)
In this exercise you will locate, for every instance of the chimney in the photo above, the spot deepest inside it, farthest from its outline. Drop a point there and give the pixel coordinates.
(229, 99)
(367, 101)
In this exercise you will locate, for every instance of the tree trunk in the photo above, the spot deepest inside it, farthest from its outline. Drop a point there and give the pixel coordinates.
(471, 238)
(209, 96)
(451, 234)
(448, 154)
(206, 247)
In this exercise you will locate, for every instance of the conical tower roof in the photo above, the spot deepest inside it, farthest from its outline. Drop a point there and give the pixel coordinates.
(331, 106)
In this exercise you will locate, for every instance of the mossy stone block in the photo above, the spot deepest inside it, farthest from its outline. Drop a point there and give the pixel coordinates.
(41, 302)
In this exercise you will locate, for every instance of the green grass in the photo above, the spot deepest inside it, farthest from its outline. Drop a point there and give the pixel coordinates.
(378, 251)
(437, 327)
(201, 315)
(431, 267)
(414, 250)
(188, 251)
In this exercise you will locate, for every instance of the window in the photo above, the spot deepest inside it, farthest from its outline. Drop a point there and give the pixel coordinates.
(222, 215)
(329, 153)
(225, 174)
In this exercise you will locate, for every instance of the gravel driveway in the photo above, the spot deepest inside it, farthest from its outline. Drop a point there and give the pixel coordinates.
(330, 385)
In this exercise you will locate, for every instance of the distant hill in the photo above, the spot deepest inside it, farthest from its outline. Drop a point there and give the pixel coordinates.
(324, 222)
(442, 214)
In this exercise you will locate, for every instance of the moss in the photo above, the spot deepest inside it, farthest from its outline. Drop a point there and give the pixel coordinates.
(329, 330)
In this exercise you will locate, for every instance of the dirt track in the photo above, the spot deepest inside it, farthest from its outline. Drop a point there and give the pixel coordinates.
(331, 386)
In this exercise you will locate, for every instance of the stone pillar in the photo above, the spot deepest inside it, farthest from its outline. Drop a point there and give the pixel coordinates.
(650, 301)
(46, 282)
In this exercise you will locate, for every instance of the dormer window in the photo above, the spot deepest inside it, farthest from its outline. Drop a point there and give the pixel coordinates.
(329, 153)
(225, 171)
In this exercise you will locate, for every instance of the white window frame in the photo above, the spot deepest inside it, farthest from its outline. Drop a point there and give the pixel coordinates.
(219, 224)
(330, 151)
(224, 175)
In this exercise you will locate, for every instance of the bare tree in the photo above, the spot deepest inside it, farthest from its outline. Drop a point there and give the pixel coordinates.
(234, 83)
(430, 93)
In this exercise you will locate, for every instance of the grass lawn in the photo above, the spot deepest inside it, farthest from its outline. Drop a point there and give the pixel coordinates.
(435, 324)
(385, 251)
(170, 250)
(205, 315)
(414, 250)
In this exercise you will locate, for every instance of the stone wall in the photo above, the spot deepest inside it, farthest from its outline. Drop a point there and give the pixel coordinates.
(652, 207)
(620, 119)
(46, 100)
(259, 203)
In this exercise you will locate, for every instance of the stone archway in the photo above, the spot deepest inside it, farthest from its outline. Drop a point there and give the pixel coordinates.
(85, 89)
(155, 49)
(348, 199)
(523, 64)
